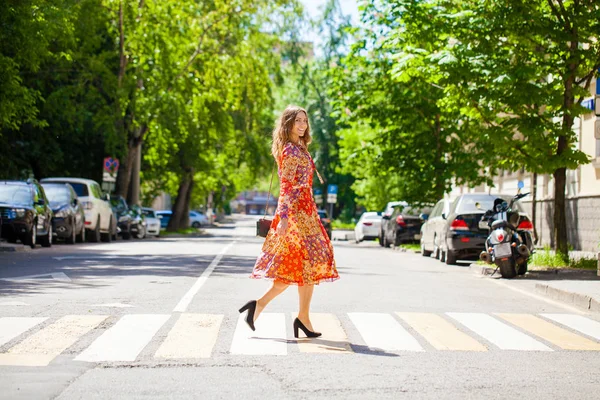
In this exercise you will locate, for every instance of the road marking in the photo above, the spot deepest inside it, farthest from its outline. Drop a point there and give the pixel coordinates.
(537, 297)
(125, 340)
(57, 276)
(584, 325)
(113, 305)
(500, 334)
(440, 333)
(193, 336)
(13, 303)
(550, 332)
(187, 298)
(11, 327)
(39, 349)
(383, 332)
(334, 339)
(268, 339)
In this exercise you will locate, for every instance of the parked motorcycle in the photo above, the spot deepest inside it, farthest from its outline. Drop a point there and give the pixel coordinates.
(510, 243)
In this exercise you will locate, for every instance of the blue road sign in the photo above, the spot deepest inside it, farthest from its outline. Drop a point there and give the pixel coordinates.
(332, 189)
(317, 192)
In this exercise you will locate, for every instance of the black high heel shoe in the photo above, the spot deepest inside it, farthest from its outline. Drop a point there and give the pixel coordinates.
(299, 325)
(251, 307)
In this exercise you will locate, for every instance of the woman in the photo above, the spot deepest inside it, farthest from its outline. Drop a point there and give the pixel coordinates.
(297, 250)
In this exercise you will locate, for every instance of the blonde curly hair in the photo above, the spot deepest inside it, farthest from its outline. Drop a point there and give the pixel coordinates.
(283, 130)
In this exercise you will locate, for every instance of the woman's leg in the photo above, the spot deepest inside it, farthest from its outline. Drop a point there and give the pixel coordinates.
(276, 289)
(305, 293)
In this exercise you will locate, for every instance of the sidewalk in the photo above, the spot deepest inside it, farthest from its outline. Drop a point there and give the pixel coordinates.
(9, 247)
(579, 288)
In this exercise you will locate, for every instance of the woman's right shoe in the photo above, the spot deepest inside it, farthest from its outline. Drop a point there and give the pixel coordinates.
(251, 307)
(299, 325)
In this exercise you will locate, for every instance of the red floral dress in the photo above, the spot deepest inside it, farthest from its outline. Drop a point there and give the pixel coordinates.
(304, 256)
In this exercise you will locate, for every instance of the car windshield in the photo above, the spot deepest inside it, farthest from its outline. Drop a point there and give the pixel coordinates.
(57, 195)
(372, 216)
(468, 204)
(411, 211)
(15, 194)
(118, 204)
(80, 188)
(149, 213)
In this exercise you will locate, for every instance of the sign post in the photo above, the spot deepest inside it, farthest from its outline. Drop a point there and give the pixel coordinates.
(332, 191)
(109, 174)
(318, 194)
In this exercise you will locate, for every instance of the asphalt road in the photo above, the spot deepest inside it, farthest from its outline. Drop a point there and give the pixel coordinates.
(157, 318)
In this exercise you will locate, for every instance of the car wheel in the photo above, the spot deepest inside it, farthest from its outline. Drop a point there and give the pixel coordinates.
(442, 256)
(47, 240)
(380, 238)
(73, 238)
(107, 237)
(94, 236)
(436, 248)
(424, 252)
(81, 234)
(31, 240)
(127, 234)
(397, 241)
(196, 225)
(451, 258)
(385, 241)
(114, 232)
(141, 233)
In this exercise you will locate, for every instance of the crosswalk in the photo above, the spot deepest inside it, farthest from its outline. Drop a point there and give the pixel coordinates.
(38, 341)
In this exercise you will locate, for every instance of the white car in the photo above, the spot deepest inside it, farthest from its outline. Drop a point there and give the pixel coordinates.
(100, 223)
(367, 227)
(198, 219)
(152, 222)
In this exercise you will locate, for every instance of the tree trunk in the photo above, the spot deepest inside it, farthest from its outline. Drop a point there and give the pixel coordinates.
(180, 218)
(134, 186)
(560, 220)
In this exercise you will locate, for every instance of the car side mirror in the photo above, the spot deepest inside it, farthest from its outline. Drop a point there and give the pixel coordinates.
(385, 217)
(424, 217)
(444, 216)
(106, 197)
(75, 202)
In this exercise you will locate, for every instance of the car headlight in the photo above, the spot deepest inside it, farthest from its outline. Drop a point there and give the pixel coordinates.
(18, 212)
(62, 213)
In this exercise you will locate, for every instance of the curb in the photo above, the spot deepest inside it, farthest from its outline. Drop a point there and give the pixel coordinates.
(578, 300)
(7, 248)
(481, 269)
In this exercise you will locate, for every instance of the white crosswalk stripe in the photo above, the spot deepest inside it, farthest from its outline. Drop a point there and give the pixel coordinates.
(195, 336)
(268, 339)
(577, 322)
(11, 327)
(383, 332)
(125, 340)
(500, 334)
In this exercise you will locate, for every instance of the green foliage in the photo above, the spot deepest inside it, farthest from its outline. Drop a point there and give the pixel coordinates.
(548, 258)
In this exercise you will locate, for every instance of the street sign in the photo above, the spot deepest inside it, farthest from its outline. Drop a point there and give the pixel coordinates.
(111, 165)
(318, 198)
(332, 198)
(332, 189)
(109, 174)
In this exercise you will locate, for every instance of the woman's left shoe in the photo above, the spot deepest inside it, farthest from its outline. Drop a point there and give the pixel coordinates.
(299, 325)
(251, 307)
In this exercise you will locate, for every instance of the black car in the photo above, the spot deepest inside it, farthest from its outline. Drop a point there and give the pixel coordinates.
(124, 220)
(25, 213)
(403, 225)
(326, 221)
(69, 217)
(452, 231)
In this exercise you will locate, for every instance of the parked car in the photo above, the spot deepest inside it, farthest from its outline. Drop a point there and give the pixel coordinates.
(452, 231)
(387, 212)
(164, 216)
(367, 227)
(25, 213)
(198, 219)
(326, 221)
(69, 217)
(403, 225)
(124, 218)
(152, 222)
(99, 221)
(138, 221)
